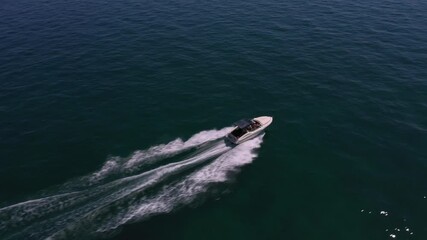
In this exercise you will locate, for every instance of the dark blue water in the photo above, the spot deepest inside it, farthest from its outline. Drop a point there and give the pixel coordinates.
(112, 113)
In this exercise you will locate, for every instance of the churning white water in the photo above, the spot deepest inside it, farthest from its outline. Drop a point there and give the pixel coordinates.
(121, 191)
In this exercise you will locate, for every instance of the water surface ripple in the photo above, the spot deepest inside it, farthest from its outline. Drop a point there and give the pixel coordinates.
(85, 84)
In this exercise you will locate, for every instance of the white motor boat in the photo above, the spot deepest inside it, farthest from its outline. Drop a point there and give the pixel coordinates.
(248, 128)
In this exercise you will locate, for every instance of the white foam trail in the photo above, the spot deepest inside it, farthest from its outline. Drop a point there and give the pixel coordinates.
(187, 190)
(105, 207)
(86, 202)
(156, 153)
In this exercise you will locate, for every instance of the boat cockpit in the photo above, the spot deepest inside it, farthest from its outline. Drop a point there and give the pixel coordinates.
(244, 126)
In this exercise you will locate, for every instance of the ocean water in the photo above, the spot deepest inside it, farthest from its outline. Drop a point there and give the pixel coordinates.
(112, 115)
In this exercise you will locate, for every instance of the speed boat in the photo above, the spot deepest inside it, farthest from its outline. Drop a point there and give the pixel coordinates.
(246, 129)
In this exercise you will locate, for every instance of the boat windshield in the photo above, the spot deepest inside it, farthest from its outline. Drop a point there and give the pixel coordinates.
(240, 131)
(255, 125)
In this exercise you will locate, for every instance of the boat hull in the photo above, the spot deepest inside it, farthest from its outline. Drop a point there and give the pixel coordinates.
(265, 121)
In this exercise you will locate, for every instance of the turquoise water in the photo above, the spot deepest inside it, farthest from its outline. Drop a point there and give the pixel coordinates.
(112, 114)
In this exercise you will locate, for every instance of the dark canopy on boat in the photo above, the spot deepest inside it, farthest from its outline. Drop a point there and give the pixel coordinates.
(243, 123)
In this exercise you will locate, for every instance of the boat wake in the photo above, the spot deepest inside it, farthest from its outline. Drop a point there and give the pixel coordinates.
(154, 181)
